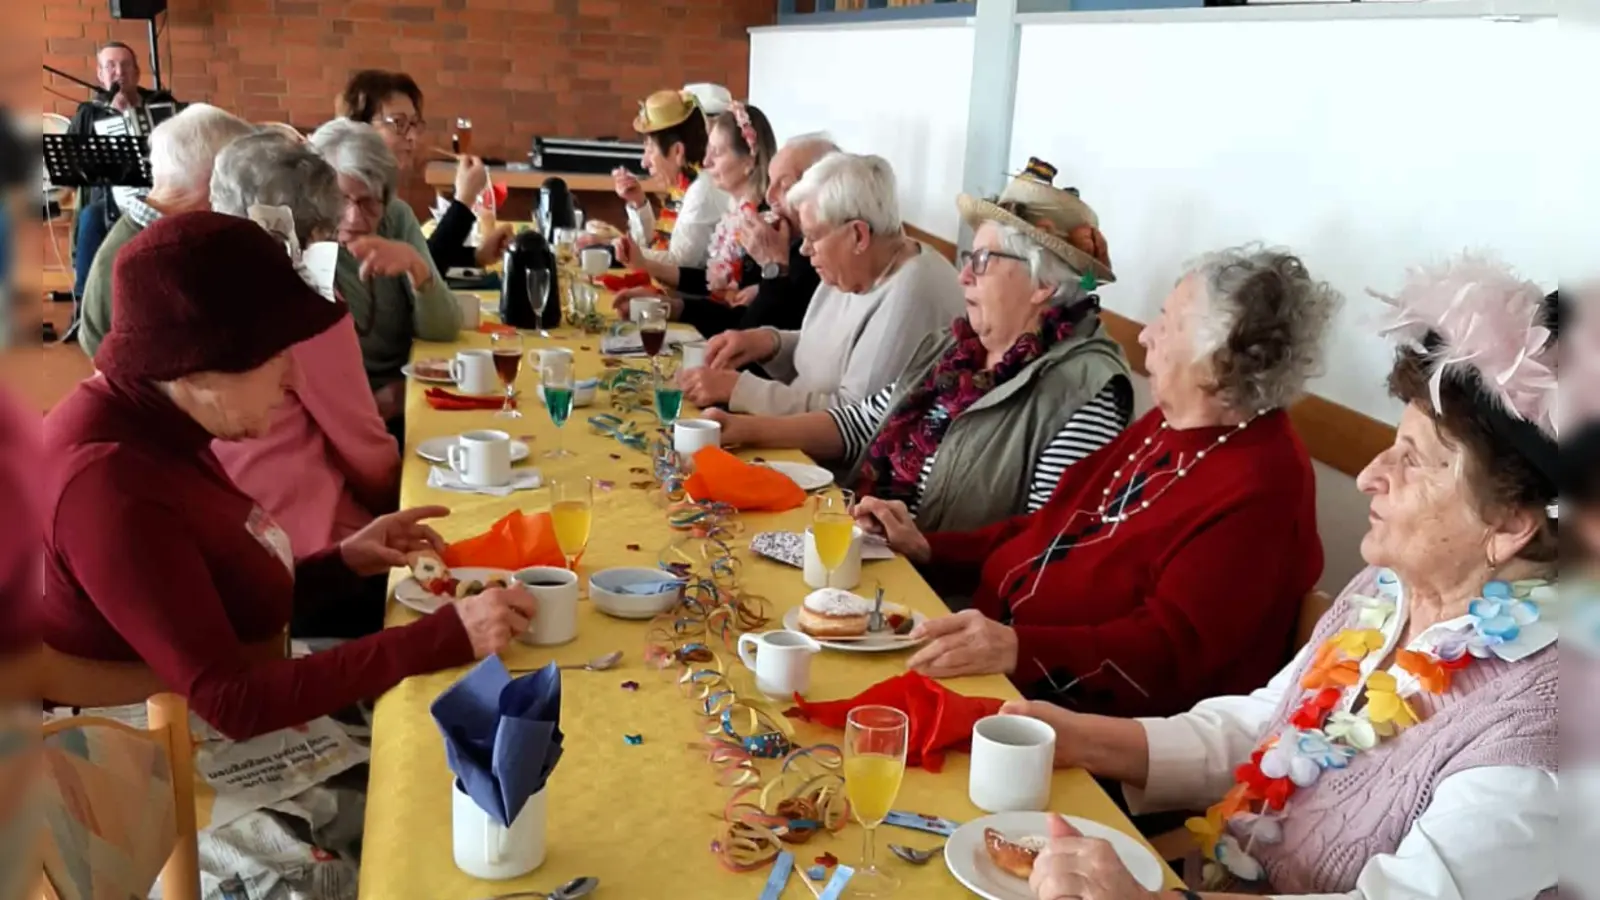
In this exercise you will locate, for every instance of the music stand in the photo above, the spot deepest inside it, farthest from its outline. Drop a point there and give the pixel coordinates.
(97, 160)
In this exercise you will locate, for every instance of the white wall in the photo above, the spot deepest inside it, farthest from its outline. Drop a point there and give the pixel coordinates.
(1365, 145)
(899, 92)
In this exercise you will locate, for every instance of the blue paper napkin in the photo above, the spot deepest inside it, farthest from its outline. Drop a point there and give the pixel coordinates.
(647, 588)
(502, 736)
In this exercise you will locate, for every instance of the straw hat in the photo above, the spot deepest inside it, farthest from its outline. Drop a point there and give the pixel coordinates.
(1054, 217)
(663, 110)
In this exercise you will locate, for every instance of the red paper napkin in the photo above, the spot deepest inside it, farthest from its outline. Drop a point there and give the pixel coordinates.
(495, 328)
(517, 541)
(439, 398)
(725, 478)
(941, 719)
(632, 278)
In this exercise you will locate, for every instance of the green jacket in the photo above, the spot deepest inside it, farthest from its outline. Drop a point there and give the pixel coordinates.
(95, 313)
(388, 312)
(984, 466)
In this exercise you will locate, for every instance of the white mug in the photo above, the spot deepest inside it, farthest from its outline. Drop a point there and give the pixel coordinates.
(486, 849)
(781, 661)
(473, 372)
(694, 354)
(471, 311)
(594, 260)
(1013, 759)
(689, 436)
(846, 577)
(555, 591)
(482, 458)
(638, 306)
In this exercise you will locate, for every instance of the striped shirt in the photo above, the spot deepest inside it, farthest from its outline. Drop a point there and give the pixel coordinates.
(1093, 426)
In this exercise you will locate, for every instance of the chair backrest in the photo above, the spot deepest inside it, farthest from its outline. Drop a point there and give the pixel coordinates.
(168, 729)
(1312, 609)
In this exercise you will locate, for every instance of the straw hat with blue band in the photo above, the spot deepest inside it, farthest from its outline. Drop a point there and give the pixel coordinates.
(1056, 218)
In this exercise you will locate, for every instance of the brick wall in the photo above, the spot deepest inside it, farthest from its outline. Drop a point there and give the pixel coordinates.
(517, 68)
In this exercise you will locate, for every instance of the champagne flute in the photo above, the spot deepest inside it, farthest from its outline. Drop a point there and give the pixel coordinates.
(538, 282)
(507, 362)
(572, 514)
(875, 740)
(832, 529)
(555, 376)
(669, 395)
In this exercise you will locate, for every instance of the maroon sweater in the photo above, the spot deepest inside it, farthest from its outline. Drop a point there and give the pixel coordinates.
(1194, 597)
(152, 554)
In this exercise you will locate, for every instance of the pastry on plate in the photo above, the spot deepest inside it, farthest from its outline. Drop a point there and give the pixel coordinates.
(1015, 858)
(603, 230)
(432, 368)
(428, 569)
(833, 613)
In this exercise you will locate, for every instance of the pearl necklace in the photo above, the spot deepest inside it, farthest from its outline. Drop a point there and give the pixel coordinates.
(1123, 514)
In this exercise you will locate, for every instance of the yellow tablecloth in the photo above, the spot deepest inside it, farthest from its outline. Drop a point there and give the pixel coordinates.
(639, 817)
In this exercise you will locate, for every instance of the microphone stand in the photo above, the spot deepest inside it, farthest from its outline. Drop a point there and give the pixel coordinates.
(100, 93)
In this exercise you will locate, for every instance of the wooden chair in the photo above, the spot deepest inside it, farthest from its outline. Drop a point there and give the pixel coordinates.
(168, 728)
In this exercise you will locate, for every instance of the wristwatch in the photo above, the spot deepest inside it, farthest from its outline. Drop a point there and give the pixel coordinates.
(771, 271)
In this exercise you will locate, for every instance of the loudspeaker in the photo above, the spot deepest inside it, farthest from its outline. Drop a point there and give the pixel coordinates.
(137, 9)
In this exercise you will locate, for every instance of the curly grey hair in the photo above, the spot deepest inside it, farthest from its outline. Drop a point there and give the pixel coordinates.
(1046, 268)
(271, 170)
(357, 150)
(1260, 319)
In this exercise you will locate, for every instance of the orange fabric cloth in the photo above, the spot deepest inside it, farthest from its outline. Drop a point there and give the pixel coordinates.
(940, 719)
(517, 541)
(725, 478)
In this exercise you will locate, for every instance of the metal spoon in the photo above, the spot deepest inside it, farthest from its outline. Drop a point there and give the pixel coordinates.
(572, 890)
(598, 664)
(875, 621)
(913, 855)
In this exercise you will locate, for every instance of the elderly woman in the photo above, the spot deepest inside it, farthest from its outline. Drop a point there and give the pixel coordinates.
(399, 295)
(1411, 749)
(1137, 589)
(738, 152)
(154, 556)
(675, 138)
(182, 152)
(988, 415)
(327, 467)
(391, 102)
(882, 293)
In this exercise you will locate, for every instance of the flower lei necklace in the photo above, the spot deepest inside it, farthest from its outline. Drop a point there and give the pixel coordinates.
(1318, 736)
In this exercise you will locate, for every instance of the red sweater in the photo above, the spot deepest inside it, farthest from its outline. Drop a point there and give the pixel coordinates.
(1194, 597)
(152, 554)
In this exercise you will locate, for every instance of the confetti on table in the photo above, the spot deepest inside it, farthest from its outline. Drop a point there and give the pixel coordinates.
(817, 873)
(615, 455)
(630, 685)
(757, 459)
(634, 739)
(827, 860)
(604, 485)
(641, 485)
(638, 470)
(633, 547)
(585, 347)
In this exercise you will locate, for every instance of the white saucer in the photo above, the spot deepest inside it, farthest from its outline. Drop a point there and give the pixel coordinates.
(434, 450)
(412, 594)
(809, 478)
(969, 862)
(411, 373)
(883, 644)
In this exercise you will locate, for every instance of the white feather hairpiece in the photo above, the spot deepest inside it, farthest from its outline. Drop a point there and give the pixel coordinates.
(1487, 320)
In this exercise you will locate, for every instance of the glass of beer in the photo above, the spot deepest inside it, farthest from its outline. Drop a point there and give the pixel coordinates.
(461, 142)
(507, 361)
(572, 514)
(875, 740)
(832, 528)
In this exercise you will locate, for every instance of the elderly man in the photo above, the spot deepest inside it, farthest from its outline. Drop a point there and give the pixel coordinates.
(117, 71)
(183, 150)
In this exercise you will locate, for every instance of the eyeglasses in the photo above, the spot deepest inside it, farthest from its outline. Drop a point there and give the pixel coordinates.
(979, 259)
(371, 207)
(403, 125)
(813, 240)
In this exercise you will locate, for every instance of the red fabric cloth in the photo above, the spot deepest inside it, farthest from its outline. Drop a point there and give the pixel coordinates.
(631, 279)
(941, 719)
(1195, 597)
(152, 554)
(439, 398)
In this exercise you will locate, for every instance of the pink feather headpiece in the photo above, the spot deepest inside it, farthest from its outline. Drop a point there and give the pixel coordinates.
(1474, 315)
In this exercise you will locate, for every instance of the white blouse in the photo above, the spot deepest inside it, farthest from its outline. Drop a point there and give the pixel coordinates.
(1490, 833)
(703, 205)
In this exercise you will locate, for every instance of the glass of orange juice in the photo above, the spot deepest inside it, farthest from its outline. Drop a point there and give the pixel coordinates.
(572, 514)
(875, 740)
(832, 528)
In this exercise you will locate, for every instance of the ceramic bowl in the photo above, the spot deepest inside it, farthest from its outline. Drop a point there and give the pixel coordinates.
(603, 586)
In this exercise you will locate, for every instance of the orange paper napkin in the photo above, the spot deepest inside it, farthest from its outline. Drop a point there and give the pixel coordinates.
(940, 718)
(725, 478)
(517, 541)
(630, 279)
(439, 398)
(495, 328)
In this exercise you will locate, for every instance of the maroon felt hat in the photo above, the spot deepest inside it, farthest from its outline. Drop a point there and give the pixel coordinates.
(206, 292)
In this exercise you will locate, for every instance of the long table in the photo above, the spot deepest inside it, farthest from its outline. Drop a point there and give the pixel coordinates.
(640, 817)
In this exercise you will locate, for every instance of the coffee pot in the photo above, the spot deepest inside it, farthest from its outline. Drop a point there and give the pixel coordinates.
(556, 206)
(530, 275)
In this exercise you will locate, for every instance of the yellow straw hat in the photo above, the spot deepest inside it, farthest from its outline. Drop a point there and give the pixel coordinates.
(663, 110)
(1054, 217)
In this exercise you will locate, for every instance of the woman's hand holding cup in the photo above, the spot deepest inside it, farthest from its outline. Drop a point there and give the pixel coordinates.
(495, 617)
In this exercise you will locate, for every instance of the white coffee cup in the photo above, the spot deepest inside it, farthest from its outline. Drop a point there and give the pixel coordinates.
(473, 372)
(486, 849)
(639, 306)
(846, 577)
(555, 593)
(694, 354)
(689, 436)
(482, 458)
(781, 661)
(594, 260)
(471, 311)
(1013, 759)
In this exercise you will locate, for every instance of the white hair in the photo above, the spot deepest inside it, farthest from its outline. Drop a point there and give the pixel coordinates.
(1044, 266)
(355, 149)
(817, 142)
(184, 148)
(272, 170)
(845, 187)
